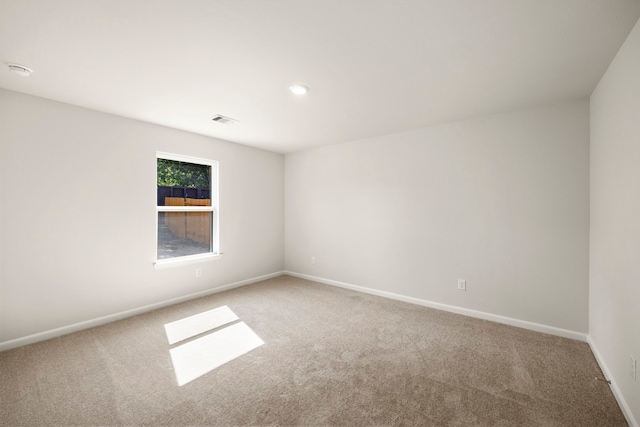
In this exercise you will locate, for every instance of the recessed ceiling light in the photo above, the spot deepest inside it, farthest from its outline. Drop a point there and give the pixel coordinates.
(299, 89)
(20, 70)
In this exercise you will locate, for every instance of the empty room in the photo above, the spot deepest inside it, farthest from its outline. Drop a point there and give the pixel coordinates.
(320, 212)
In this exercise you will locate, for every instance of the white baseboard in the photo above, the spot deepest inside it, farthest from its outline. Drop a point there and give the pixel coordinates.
(450, 308)
(614, 387)
(53, 333)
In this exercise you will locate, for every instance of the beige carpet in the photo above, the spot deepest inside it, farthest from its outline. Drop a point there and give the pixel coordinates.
(331, 357)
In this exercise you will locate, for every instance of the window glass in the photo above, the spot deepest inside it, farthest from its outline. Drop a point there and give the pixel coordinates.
(184, 233)
(184, 180)
(186, 206)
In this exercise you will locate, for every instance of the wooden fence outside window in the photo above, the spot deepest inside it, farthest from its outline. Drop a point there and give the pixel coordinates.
(191, 225)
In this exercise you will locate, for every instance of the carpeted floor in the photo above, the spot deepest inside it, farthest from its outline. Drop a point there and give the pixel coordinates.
(330, 357)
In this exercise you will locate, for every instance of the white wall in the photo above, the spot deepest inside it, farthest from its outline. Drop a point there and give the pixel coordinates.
(501, 201)
(614, 299)
(78, 215)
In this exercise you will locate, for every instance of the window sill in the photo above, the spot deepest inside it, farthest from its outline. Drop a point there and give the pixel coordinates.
(185, 260)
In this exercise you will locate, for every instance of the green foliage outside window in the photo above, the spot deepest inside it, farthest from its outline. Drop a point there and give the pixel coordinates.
(180, 174)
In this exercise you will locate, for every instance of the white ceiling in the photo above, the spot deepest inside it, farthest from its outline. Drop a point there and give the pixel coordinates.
(374, 67)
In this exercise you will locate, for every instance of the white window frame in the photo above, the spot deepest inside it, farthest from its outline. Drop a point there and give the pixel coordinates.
(214, 208)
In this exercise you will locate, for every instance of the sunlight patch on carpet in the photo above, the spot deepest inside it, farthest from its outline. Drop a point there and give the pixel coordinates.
(199, 323)
(196, 358)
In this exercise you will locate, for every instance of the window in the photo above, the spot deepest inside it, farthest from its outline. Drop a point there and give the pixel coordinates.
(187, 209)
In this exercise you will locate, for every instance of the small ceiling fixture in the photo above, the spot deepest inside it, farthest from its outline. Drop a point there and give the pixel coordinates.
(20, 70)
(299, 89)
(224, 120)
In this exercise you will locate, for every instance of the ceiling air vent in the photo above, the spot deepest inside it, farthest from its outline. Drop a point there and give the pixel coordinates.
(224, 120)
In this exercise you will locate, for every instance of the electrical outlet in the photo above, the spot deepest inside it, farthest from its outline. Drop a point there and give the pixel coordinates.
(198, 272)
(462, 284)
(313, 260)
(632, 367)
